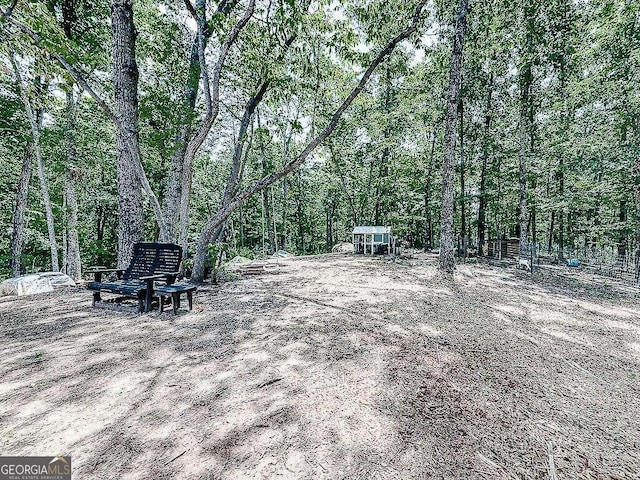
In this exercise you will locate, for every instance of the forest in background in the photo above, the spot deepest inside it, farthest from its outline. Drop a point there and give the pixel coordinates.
(113, 132)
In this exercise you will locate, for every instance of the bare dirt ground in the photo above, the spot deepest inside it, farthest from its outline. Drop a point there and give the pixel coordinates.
(338, 367)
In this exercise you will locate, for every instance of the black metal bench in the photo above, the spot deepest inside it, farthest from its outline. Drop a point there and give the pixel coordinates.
(174, 291)
(151, 262)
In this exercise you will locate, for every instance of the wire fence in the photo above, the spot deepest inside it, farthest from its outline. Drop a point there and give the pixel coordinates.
(601, 261)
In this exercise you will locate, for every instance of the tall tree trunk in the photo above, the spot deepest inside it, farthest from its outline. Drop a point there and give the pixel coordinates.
(71, 257)
(428, 222)
(125, 89)
(171, 206)
(176, 203)
(532, 218)
(622, 234)
(551, 225)
(447, 261)
(463, 217)
(300, 213)
(212, 99)
(383, 171)
(19, 219)
(72, 260)
(48, 208)
(635, 123)
(482, 206)
(561, 209)
(560, 173)
(526, 80)
(35, 121)
(266, 205)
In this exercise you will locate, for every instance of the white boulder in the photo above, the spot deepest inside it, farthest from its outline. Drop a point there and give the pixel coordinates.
(35, 283)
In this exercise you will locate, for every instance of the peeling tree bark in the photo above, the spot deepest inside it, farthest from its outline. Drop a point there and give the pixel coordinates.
(447, 261)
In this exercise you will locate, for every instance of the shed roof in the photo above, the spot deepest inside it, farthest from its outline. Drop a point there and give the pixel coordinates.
(366, 229)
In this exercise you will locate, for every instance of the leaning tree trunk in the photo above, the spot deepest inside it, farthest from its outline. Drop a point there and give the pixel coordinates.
(223, 213)
(237, 163)
(212, 100)
(35, 121)
(72, 252)
(19, 219)
(48, 208)
(125, 89)
(447, 260)
(233, 183)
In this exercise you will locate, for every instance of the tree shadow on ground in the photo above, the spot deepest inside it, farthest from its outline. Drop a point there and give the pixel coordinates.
(324, 373)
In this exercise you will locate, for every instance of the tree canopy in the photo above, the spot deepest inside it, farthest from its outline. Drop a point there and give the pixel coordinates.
(267, 125)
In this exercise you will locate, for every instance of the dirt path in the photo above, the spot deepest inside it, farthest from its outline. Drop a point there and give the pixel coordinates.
(339, 367)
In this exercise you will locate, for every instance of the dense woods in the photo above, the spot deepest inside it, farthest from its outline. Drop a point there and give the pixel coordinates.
(263, 125)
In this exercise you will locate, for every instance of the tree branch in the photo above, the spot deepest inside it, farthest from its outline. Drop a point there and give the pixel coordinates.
(133, 151)
(213, 107)
(237, 167)
(192, 11)
(207, 123)
(239, 199)
(7, 13)
(202, 25)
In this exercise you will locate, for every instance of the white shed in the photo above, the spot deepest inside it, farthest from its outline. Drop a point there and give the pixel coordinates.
(373, 239)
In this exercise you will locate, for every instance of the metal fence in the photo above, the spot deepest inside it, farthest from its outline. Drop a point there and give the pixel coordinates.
(600, 261)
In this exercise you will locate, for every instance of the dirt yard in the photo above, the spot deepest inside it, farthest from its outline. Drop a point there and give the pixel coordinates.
(337, 368)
